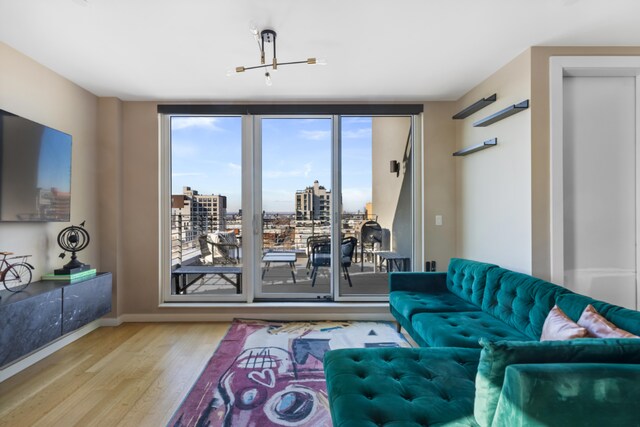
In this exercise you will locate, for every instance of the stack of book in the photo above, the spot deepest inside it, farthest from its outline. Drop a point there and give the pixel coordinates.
(71, 277)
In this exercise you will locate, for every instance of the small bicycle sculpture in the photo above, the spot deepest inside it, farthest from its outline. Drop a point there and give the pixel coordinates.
(16, 275)
(73, 239)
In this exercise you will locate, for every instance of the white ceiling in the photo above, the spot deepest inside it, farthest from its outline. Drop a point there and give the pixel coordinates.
(377, 50)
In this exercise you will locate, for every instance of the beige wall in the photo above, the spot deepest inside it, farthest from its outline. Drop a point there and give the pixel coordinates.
(32, 91)
(493, 186)
(110, 188)
(439, 182)
(540, 131)
(503, 193)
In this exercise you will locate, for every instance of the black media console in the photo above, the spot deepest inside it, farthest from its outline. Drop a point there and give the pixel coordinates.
(47, 310)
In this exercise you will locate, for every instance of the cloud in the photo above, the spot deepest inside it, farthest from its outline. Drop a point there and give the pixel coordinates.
(234, 166)
(178, 123)
(357, 133)
(316, 135)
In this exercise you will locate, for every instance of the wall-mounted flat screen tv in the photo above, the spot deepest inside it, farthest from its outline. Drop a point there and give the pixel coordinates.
(35, 171)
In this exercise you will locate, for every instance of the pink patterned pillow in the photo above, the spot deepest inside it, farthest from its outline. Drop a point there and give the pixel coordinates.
(558, 327)
(599, 327)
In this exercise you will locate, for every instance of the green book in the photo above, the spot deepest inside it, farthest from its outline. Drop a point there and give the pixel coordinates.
(70, 277)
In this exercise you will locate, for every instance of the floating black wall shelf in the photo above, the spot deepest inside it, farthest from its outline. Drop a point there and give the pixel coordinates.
(476, 106)
(502, 114)
(489, 143)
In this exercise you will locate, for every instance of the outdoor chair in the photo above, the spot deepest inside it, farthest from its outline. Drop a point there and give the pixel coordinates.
(311, 241)
(217, 249)
(321, 257)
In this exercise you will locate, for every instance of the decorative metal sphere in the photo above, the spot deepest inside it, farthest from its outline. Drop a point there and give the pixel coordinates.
(73, 239)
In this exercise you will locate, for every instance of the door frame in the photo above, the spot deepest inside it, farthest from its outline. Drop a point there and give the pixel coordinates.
(251, 224)
(256, 192)
(581, 66)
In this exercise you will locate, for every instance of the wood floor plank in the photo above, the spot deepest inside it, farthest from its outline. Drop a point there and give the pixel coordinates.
(135, 374)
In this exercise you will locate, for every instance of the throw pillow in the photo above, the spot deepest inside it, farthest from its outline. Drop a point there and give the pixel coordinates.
(557, 327)
(599, 327)
(496, 356)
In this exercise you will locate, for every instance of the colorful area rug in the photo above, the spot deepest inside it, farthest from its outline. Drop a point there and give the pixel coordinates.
(270, 373)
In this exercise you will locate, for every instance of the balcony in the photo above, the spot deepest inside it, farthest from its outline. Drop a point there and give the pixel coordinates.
(281, 234)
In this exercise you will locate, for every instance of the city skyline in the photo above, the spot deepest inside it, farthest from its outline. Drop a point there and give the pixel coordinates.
(296, 152)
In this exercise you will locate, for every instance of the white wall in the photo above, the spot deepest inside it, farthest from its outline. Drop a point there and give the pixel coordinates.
(30, 90)
(392, 194)
(493, 187)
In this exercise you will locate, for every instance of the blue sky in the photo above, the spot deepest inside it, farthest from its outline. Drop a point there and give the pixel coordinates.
(54, 162)
(206, 155)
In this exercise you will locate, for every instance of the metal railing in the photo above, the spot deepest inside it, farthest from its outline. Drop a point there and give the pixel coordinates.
(279, 232)
(185, 230)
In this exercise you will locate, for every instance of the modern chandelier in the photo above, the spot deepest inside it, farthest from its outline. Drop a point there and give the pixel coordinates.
(266, 37)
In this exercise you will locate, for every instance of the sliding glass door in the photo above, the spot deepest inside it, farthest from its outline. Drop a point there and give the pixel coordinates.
(295, 189)
(206, 208)
(287, 208)
(376, 213)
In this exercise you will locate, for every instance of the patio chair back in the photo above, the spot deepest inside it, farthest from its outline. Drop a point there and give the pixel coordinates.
(321, 256)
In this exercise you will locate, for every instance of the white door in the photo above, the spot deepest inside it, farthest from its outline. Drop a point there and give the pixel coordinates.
(599, 187)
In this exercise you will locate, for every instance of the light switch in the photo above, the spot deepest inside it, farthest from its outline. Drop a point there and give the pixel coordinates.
(438, 219)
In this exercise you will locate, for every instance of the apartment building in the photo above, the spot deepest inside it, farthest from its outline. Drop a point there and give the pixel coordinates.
(313, 202)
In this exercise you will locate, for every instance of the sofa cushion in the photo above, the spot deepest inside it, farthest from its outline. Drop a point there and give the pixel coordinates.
(574, 305)
(496, 356)
(558, 327)
(629, 320)
(401, 386)
(600, 327)
(569, 394)
(461, 329)
(519, 300)
(410, 303)
(467, 279)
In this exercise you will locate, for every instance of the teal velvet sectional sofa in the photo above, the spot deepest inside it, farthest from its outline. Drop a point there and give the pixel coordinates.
(480, 361)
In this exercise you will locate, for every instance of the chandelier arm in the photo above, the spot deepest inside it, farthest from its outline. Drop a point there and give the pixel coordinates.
(275, 61)
(257, 66)
(293, 62)
(259, 48)
(279, 64)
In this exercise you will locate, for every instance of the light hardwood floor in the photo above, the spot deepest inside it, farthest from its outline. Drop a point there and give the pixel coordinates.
(135, 374)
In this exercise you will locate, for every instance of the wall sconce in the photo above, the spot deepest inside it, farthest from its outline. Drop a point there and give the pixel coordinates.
(394, 167)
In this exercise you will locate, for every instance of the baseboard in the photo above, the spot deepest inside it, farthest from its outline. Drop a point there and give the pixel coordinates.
(110, 322)
(224, 317)
(38, 355)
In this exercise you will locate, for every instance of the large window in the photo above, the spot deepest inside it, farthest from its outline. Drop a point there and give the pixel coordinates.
(290, 208)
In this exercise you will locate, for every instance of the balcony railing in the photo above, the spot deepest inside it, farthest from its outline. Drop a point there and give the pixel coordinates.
(279, 232)
(185, 230)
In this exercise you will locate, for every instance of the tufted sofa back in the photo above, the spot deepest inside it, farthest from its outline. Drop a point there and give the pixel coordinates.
(467, 279)
(520, 300)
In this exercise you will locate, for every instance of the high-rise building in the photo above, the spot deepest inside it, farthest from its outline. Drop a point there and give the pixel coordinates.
(313, 202)
(200, 213)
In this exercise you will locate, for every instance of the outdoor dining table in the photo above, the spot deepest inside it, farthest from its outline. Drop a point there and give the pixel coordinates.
(280, 257)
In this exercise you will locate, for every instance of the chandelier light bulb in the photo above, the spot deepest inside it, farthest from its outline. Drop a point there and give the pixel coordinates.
(267, 79)
(253, 28)
(321, 61)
